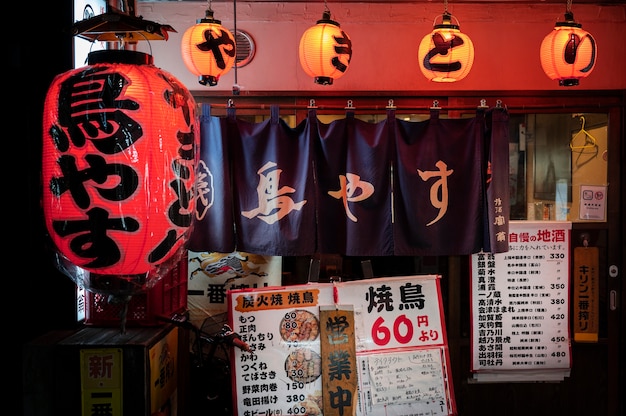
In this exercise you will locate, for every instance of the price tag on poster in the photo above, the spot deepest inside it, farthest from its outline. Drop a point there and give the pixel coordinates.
(520, 306)
(398, 328)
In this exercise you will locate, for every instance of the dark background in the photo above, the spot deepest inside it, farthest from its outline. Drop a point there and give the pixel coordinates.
(37, 298)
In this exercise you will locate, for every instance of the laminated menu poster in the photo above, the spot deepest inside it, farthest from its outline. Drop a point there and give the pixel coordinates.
(520, 306)
(401, 367)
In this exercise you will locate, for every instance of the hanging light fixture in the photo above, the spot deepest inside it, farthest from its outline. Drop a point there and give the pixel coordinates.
(208, 49)
(568, 53)
(325, 50)
(120, 140)
(446, 54)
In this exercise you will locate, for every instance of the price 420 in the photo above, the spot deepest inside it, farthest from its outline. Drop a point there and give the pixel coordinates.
(403, 330)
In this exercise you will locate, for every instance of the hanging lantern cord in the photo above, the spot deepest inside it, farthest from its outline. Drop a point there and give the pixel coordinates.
(569, 15)
(326, 15)
(236, 88)
(208, 14)
(446, 18)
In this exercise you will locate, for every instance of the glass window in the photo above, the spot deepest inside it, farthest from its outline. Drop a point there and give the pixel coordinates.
(558, 167)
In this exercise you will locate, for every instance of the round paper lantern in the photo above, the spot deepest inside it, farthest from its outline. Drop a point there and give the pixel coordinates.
(208, 50)
(325, 51)
(446, 54)
(120, 149)
(568, 53)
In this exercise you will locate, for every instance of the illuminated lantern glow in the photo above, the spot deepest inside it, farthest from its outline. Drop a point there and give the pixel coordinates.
(568, 53)
(446, 54)
(325, 51)
(208, 50)
(120, 150)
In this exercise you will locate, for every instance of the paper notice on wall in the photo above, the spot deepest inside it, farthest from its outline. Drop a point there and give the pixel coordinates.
(520, 306)
(211, 275)
(408, 378)
(592, 203)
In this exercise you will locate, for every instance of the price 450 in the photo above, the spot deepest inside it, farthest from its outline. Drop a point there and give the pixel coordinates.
(403, 330)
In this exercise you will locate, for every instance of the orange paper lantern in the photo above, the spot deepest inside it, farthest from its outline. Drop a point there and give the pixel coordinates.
(325, 51)
(120, 148)
(568, 53)
(446, 54)
(208, 50)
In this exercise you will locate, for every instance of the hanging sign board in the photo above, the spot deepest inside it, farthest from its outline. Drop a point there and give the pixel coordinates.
(586, 294)
(339, 370)
(295, 332)
(520, 306)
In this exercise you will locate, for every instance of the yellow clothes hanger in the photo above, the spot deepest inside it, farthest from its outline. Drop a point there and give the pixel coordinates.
(590, 142)
(590, 145)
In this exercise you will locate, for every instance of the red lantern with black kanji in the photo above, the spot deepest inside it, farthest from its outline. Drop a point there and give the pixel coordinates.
(446, 54)
(208, 49)
(568, 53)
(325, 51)
(120, 148)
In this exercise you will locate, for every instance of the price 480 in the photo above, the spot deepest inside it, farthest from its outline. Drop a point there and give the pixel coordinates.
(403, 330)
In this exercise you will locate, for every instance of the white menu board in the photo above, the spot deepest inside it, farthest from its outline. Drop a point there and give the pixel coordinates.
(520, 305)
(400, 343)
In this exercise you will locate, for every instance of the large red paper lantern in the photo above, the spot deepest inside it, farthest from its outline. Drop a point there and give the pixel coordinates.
(325, 51)
(568, 53)
(446, 54)
(120, 148)
(208, 49)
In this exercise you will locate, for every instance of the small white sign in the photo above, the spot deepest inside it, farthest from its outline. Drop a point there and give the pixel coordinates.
(592, 202)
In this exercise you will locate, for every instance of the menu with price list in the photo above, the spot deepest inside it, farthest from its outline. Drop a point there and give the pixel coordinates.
(307, 357)
(520, 306)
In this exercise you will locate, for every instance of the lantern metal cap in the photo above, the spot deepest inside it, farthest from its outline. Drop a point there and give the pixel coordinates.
(210, 80)
(569, 21)
(446, 22)
(323, 80)
(208, 18)
(114, 26)
(326, 19)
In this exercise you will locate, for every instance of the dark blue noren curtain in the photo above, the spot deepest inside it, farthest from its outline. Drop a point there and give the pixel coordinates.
(272, 173)
(497, 200)
(438, 186)
(353, 162)
(431, 188)
(213, 228)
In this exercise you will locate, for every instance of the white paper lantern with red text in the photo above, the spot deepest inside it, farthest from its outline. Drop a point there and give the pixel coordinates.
(568, 53)
(446, 54)
(208, 50)
(120, 148)
(325, 51)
